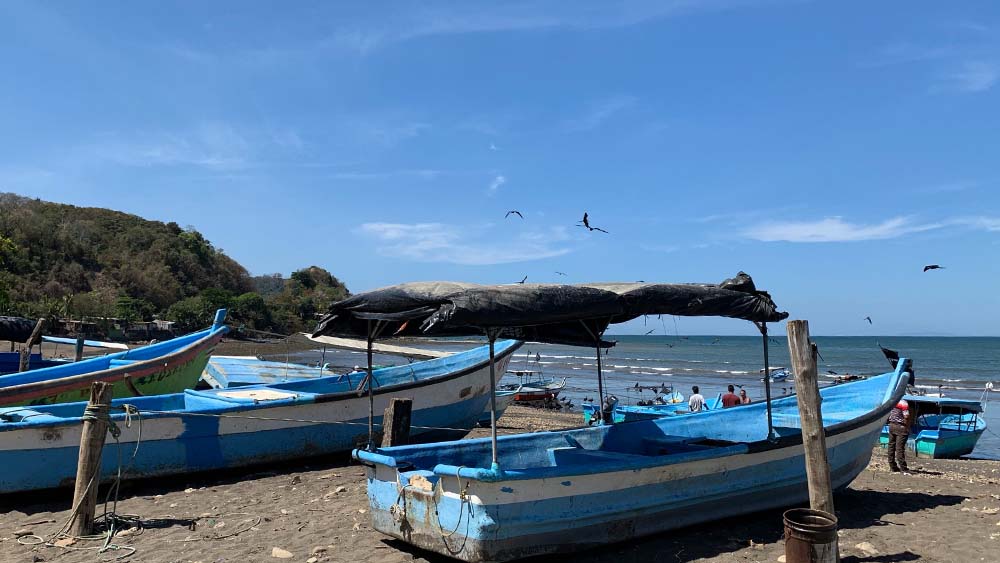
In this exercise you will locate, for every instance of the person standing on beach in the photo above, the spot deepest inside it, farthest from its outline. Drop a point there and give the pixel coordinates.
(730, 399)
(899, 431)
(696, 402)
(744, 400)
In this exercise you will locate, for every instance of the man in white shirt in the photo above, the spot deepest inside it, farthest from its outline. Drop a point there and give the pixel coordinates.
(696, 402)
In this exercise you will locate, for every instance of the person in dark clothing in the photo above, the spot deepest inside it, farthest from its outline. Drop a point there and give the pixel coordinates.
(730, 399)
(899, 431)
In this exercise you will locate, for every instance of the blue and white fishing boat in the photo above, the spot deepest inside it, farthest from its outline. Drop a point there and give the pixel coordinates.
(570, 490)
(943, 427)
(225, 428)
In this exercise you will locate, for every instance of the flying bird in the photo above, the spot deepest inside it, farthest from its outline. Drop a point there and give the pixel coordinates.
(524, 279)
(586, 223)
(649, 332)
(561, 273)
(933, 267)
(831, 372)
(869, 319)
(514, 212)
(493, 147)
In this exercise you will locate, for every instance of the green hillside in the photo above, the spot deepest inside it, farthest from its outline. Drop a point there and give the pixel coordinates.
(60, 260)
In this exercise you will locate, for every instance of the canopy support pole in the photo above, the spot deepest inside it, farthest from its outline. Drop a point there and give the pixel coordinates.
(600, 370)
(491, 335)
(373, 333)
(767, 380)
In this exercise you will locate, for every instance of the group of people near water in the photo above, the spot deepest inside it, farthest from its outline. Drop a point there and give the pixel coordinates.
(696, 402)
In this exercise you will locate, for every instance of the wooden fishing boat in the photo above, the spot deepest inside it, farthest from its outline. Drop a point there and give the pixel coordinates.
(943, 427)
(574, 489)
(165, 367)
(545, 492)
(532, 386)
(224, 428)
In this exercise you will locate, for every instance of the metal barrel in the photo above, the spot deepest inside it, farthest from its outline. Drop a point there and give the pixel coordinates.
(810, 536)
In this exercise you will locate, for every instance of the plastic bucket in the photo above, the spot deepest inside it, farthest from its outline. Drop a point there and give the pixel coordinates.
(810, 536)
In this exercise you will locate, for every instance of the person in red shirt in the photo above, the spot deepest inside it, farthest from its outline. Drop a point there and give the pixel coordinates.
(730, 399)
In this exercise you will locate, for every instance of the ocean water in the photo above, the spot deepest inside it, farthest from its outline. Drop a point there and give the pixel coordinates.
(958, 367)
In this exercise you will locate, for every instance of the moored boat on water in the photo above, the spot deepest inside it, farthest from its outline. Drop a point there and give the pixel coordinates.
(225, 428)
(942, 427)
(164, 367)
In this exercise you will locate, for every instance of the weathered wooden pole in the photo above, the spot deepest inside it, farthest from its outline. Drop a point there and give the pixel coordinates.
(396, 422)
(88, 469)
(35, 338)
(803, 355)
(78, 349)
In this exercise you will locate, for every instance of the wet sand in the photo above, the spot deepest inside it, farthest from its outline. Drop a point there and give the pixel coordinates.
(946, 511)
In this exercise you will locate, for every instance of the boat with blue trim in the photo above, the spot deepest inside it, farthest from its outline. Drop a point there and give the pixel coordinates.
(165, 367)
(942, 427)
(225, 428)
(564, 491)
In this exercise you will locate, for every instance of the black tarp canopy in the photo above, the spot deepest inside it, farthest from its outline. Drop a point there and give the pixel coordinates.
(16, 329)
(554, 313)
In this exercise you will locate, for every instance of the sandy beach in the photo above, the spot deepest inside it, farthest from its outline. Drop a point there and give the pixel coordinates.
(945, 511)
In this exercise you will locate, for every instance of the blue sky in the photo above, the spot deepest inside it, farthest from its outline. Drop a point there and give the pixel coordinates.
(829, 149)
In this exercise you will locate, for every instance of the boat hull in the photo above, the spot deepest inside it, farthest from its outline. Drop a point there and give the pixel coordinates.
(603, 508)
(44, 455)
(570, 490)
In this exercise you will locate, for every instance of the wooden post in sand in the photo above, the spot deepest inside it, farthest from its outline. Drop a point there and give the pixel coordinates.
(35, 338)
(95, 428)
(78, 349)
(803, 354)
(396, 422)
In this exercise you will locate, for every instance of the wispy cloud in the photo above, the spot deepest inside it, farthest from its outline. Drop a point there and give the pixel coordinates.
(599, 112)
(210, 145)
(969, 77)
(991, 224)
(904, 53)
(498, 181)
(835, 229)
(450, 18)
(951, 187)
(422, 173)
(439, 242)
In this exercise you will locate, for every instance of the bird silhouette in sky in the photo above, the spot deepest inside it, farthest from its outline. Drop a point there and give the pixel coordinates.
(586, 223)
(561, 273)
(524, 279)
(648, 332)
(513, 212)
(869, 319)
(933, 267)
